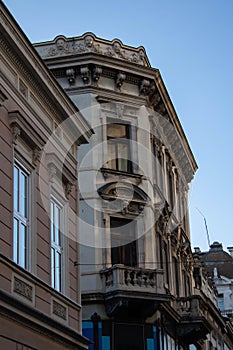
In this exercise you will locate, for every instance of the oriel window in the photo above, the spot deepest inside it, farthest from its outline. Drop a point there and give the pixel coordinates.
(118, 148)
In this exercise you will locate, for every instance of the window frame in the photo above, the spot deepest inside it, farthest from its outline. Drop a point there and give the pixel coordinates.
(57, 245)
(21, 219)
(220, 301)
(116, 142)
(127, 251)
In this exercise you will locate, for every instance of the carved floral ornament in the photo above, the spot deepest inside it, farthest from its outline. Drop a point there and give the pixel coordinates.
(90, 43)
(124, 197)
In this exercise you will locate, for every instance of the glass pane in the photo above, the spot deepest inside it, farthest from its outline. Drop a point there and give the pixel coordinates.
(52, 221)
(57, 225)
(123, 157)
(111, 156)
(58, 271)
(52, 268)
(116, 131)
(16, 240)
(23, 193)
(16, 189)
(22, 245)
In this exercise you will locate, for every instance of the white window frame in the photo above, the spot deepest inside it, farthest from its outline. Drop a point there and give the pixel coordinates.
(57, 244)
(21, 243)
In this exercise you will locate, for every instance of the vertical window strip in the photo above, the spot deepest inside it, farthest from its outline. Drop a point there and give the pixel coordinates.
(56, 248)
(20, 231)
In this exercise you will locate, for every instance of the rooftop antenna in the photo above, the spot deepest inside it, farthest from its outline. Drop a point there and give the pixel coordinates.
(207, 232)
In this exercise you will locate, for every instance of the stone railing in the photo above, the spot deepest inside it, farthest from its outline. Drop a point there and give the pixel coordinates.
(190, 306)
(186, 306)
(120, 277)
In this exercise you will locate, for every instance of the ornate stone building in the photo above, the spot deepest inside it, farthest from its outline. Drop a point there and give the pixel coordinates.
(40, 305)
(219, 266)
(141, 286)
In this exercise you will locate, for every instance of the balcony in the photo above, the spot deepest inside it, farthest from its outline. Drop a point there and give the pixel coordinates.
(130, 288)
(194, 321)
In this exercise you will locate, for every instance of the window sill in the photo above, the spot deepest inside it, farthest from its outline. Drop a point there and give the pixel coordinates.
(122, 175)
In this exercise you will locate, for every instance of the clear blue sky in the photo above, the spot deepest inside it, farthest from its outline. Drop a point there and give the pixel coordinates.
(191, 42)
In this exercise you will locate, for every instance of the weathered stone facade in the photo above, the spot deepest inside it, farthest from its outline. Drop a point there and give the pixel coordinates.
(141, 286)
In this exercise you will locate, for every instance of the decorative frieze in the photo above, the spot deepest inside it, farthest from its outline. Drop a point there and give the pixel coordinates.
(59, 310)
(89, 43)
(119, 109)
(22, 288)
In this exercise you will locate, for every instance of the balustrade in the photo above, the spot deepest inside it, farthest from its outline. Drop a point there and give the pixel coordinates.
(132, 278)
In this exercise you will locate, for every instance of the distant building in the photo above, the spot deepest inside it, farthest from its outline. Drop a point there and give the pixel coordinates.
(219, 265)
(141, 286)
(40, 304)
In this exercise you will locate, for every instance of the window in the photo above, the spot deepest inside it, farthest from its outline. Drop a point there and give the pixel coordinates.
(56, 245)
(167, 279)
(123, 242)
(177, 279)
(221, 301)
(21, 226)
(118, 147)
(160, 251)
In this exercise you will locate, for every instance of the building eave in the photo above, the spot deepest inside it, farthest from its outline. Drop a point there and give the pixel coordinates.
(174, 118)
(12, 34)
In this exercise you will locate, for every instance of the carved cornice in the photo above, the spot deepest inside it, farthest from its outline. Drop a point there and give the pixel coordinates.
(16, 61)
(168, 136)
(89, 43)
